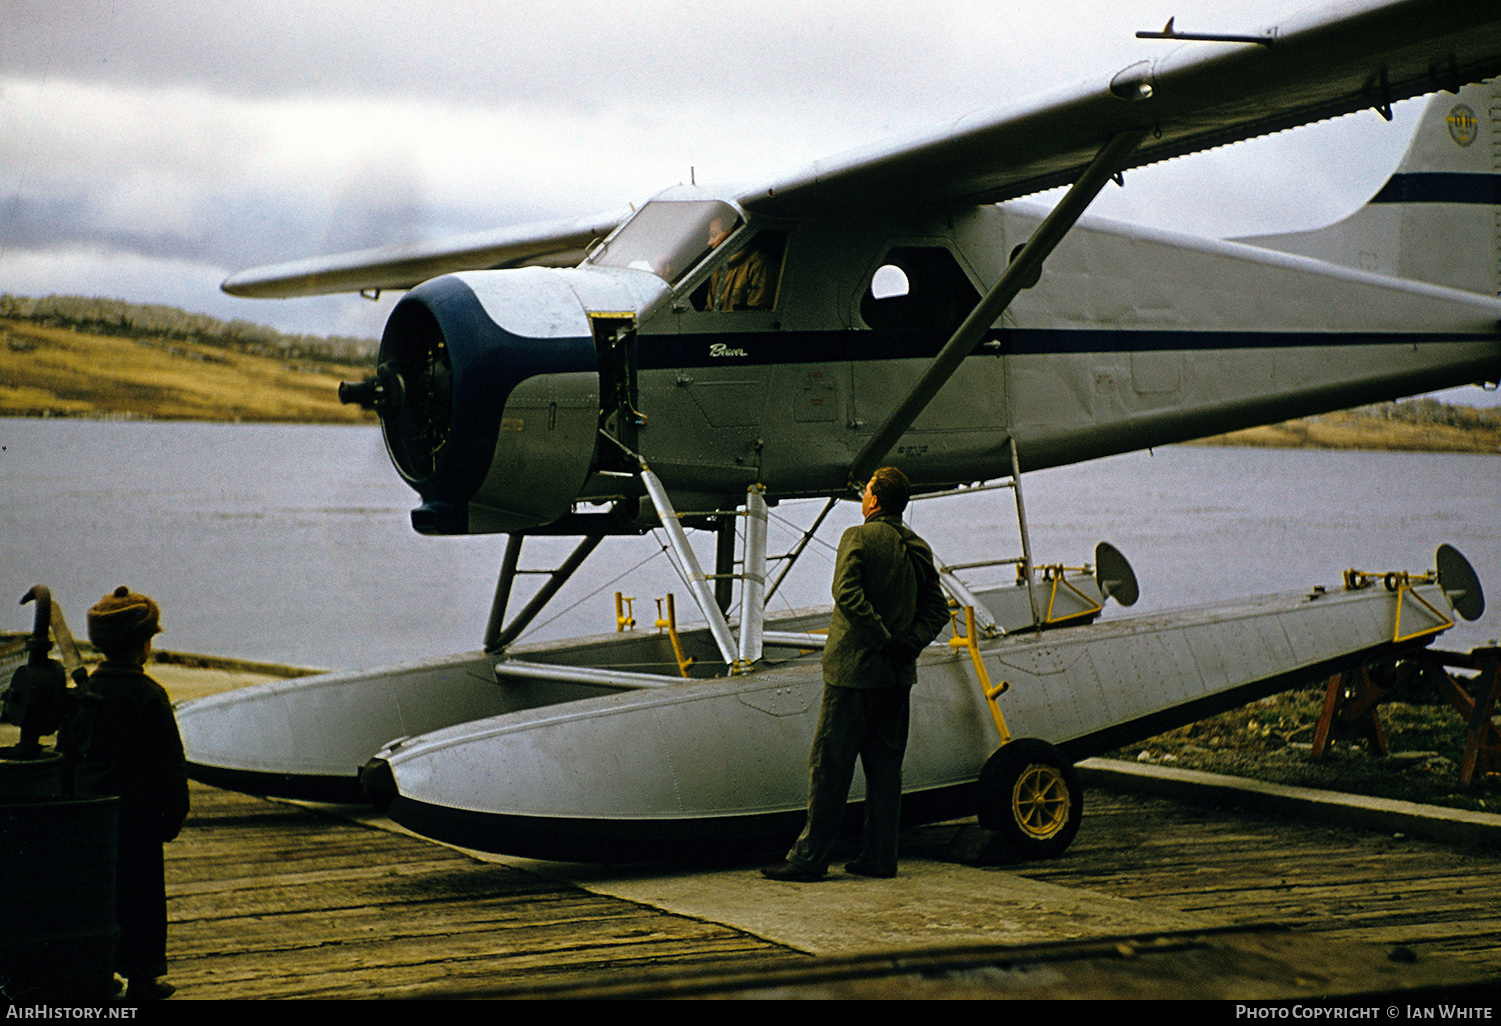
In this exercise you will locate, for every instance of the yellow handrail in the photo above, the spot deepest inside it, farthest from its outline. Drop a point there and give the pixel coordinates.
(970, 640)
(1057, 574)
(1405, 587)
(624, 614)
(670, 624)
(1402, 583)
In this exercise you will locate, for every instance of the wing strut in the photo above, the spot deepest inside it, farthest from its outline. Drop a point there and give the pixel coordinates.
(1109, 162)
(496, 638)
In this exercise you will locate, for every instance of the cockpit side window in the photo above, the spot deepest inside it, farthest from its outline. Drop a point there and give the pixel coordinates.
(748, 280)
(669, 237)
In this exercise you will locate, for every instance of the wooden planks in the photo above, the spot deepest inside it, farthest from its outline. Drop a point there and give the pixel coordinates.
(272, 900)
(278, 900)
(1432, 899)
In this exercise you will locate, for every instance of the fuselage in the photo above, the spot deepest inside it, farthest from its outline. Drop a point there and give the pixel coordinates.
(557, 382)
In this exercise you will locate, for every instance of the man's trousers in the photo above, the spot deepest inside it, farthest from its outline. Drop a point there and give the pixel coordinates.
(870, 723)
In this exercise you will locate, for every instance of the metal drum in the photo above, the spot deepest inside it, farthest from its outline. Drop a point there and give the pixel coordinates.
(57, 898)
(38, 777)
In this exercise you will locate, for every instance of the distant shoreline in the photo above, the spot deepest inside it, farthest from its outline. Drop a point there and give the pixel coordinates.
(1338, 431)
(50, 371)
(1418, 425)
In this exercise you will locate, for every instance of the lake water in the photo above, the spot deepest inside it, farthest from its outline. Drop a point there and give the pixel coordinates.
(291, 543)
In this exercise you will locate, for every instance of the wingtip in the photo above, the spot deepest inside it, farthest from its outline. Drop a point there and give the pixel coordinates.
(234, 285)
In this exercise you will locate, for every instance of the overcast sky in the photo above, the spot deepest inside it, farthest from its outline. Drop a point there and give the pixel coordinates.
(149, 149)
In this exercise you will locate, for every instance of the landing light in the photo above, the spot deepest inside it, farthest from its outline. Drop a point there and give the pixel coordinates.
(1133, 82)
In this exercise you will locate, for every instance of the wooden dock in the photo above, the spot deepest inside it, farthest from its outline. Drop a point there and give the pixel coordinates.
(273, 899)
(276, 900)
(1440, 902)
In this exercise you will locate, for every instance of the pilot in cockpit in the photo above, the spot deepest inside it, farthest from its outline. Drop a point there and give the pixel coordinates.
(745, 282)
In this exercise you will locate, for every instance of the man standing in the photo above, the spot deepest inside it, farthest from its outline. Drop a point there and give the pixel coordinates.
(887, 608)
(133, 750)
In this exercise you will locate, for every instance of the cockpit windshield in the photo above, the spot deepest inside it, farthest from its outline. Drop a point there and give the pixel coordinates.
(669, 237)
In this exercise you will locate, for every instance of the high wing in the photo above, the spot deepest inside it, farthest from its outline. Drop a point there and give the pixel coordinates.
(1201, 95)
(541, 243)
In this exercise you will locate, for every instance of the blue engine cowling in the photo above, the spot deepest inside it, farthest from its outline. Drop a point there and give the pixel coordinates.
(488, 391)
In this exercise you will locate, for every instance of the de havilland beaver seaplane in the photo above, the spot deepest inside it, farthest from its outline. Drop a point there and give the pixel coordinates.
(686, 365)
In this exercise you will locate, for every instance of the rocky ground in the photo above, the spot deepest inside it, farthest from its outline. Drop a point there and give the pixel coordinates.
(1272, 739)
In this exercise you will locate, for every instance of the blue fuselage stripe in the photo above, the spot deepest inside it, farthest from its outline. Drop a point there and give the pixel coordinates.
(1441, 187)
(672, 351)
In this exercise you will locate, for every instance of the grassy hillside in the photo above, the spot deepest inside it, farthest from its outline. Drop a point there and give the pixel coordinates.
(1417, 425)
(51, 371)
(113, 369)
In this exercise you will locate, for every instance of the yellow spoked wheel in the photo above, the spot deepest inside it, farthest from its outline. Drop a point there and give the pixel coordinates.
(1040, 801)
(1031, 798)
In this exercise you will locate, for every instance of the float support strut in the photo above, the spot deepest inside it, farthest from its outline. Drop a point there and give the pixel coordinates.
(503, 590)
(689, 570)
(494, 642)
(753, 577)
(724, 563)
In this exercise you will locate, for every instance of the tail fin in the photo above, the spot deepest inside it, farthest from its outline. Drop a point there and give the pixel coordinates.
(1438, 218)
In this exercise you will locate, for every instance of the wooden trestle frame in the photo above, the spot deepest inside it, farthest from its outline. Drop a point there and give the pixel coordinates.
(1351, 699)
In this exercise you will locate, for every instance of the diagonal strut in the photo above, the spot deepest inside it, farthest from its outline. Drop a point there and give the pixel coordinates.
(1106, 164)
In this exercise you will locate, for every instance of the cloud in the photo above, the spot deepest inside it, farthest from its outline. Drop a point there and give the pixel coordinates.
(219, 136)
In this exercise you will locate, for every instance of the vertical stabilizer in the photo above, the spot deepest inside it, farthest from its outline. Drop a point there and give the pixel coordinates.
(1438, 218)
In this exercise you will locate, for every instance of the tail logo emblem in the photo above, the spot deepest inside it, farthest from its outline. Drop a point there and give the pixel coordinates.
(1463, 125)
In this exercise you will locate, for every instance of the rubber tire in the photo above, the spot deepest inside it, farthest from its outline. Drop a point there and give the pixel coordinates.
(1031, 799)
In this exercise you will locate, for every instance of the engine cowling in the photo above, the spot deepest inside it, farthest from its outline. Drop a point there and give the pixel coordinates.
(488, 391)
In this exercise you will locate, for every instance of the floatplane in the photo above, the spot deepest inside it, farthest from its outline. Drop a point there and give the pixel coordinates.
(688, 364)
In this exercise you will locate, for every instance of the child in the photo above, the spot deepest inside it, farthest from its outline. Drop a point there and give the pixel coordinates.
(134, 751)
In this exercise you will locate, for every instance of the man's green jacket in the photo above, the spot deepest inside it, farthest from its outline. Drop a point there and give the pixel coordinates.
(885, 587)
